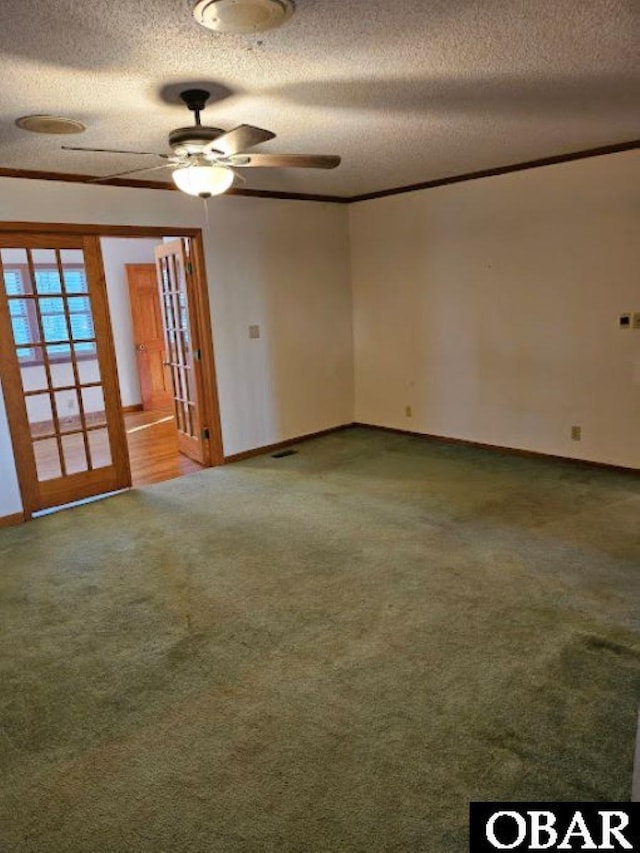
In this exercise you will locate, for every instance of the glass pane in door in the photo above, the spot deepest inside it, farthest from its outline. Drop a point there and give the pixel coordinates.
(174, 306)
(51, 314)
(100, 451)
(47, 456)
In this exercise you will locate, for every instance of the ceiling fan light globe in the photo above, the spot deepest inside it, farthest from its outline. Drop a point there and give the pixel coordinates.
(203, 181)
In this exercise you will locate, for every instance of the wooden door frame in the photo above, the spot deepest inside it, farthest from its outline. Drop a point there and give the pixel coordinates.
(201, 310)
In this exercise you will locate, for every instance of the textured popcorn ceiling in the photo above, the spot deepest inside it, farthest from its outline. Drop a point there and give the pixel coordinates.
(404, 90)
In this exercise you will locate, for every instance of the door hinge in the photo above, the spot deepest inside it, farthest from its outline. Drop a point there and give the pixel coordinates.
(189, 268)
(197, 355)
(205, 434)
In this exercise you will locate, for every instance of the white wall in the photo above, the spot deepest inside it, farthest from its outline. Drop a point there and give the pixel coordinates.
(9, 491)
(289, 274)
(116, 253)
(281, 264)
(491, 308)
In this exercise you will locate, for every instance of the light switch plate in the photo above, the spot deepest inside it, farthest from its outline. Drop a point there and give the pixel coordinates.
(636, 320)
(254, 332)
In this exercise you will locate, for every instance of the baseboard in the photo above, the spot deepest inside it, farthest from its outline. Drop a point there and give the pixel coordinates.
(269, 448)
(12, 520)
(129, 410)
(515, 451)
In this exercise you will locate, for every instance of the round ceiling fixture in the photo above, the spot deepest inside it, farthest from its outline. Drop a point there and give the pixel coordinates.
(243, 16)
(204, 181)
(50, 124)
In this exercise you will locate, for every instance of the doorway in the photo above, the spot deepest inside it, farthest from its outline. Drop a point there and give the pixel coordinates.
(72, 436)
(149, 338)
(168, 440)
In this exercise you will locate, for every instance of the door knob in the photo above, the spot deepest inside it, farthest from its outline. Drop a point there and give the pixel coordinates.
(140, 347)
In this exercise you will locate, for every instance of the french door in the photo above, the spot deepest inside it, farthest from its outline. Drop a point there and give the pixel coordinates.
(58, 370)
(175, 273)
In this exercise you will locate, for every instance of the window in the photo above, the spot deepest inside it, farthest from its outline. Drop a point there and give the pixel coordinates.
(51, 301)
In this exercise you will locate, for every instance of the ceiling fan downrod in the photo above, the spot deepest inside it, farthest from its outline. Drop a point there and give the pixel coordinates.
(196, 101)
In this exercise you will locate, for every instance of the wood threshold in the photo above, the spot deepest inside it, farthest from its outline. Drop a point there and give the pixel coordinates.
(514, 451)
(12, 520)
(269, 448)
(72, 177)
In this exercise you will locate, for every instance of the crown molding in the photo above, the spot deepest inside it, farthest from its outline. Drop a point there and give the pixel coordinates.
(501, 170)
(72, 177)
(75, 178)
(334, 199)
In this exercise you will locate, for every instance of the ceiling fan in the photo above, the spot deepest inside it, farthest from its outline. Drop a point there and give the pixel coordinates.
(205, 159)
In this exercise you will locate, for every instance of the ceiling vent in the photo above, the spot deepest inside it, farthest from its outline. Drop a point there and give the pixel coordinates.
(50, 124)
(243, 16)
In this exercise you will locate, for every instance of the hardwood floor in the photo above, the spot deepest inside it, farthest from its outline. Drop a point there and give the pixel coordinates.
(153, 449)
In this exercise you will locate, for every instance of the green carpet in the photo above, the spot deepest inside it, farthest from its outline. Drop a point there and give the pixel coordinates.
(334, 651)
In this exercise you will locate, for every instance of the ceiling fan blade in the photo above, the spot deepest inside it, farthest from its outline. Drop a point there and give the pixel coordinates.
(113, 151)
(130, 172)
(239, 175)
(287, 161)
(239, 139)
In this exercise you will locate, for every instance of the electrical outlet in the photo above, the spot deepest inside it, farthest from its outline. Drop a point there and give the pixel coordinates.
(254, 332)
(408, 411)
(625, 321)
(576, 433)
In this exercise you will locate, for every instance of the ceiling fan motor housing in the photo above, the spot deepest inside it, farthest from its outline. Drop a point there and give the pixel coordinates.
(191, 140)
